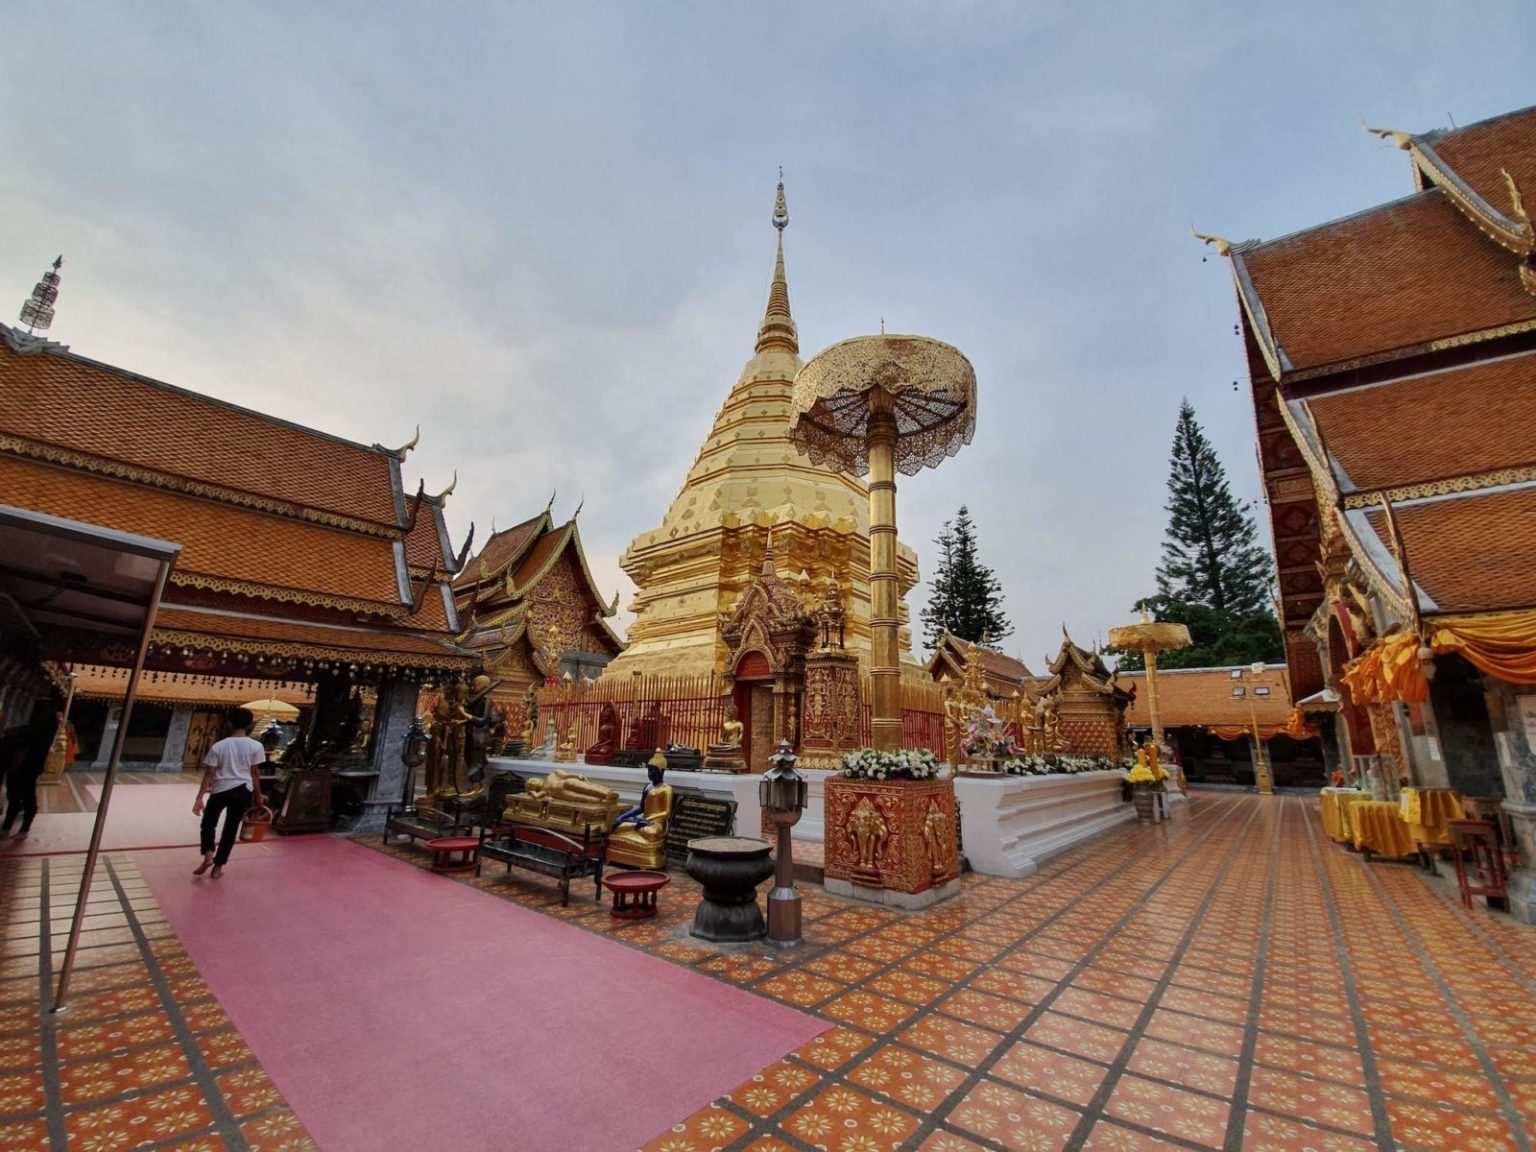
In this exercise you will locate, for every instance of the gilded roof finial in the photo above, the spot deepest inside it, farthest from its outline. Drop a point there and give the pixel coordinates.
(1527, 232)
(1223, 245)
(37, 310)
(778, 327)
(448, 491)
(768, 565)
(1402, 139)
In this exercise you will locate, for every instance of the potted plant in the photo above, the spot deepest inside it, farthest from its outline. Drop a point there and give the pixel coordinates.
(1144, 783)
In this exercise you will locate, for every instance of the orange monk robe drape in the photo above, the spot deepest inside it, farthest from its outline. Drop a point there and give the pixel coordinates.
(1389, 669)
(1502, 646)
(1296, 726)
(1242, 732)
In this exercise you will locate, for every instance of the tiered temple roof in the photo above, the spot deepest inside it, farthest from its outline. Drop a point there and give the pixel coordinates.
(528, 602)
(1004, 674)
(1393, 357)
(300, 550)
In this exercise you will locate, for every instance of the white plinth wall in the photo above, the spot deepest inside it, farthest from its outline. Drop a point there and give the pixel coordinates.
(1010, 825)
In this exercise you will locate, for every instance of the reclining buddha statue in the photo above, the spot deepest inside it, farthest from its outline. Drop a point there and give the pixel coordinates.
(639, 837)
(565, 802)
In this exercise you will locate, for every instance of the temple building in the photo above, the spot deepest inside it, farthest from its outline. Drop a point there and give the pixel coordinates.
(1212, 716)
(307, 562)
(531, 608)
(1088, 700)
(746, 482)
(1004, 675)
(1392, 355)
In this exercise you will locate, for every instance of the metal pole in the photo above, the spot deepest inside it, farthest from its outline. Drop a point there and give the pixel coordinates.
(118, 740)
(885, 617)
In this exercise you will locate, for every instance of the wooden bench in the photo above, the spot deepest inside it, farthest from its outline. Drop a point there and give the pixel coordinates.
(407, 820)
(549, 853)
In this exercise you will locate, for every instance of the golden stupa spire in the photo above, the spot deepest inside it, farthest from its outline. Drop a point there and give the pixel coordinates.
(778, 327)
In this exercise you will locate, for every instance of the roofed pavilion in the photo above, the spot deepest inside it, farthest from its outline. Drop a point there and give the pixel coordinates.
(304, 558)
(1392, 355)
(531, 607)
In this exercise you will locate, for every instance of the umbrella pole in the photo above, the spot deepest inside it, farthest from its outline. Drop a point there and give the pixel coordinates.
(885, 619)
(118, 740)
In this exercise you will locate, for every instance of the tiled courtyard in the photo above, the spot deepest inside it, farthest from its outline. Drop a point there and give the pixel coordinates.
(1230, 981)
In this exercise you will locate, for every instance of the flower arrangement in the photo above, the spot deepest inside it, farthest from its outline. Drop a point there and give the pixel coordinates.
(868, 764)
(987, 736)
(1140, 775)
(1055, 765)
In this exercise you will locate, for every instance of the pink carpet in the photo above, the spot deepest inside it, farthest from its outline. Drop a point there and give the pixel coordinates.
(140, 816)
(399, 1009)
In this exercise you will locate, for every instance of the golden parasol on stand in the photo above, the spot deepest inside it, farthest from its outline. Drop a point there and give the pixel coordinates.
(270, 710)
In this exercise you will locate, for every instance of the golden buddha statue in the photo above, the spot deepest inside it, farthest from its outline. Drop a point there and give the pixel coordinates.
(639, 837)
(726, 756)
(563, 801)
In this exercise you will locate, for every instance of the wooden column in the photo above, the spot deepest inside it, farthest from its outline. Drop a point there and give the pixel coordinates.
(885, 614)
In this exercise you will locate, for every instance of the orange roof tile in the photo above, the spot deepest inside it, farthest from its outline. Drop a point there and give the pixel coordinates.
(218, 540)
(424, 543)
(92, 408)
(369, 643)
(505, 547)
(1202, 697)
(1471, 553)
(543, 552)
(1457, 423)
(1477, 152)
(1394, 277)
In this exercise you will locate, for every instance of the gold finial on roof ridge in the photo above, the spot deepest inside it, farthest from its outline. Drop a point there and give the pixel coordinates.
(1223, 245)
(1522, 219)
(1403, 140)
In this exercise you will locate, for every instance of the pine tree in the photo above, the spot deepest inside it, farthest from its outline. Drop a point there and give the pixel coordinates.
(1211, 555)
(966, 597)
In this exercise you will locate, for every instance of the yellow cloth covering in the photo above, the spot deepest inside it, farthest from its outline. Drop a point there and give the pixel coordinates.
(1425, 811)
(1335, 804)
(1502, 646)
(1380, 828)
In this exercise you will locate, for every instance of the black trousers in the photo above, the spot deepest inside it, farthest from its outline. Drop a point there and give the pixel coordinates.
(20, 798)
(232, 804)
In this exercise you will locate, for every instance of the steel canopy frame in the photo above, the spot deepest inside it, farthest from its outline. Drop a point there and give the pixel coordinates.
(94, 580)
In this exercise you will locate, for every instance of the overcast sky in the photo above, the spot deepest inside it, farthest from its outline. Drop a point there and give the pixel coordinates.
(542, 231)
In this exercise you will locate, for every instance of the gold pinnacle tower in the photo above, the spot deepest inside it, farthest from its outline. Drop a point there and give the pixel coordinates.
(747, 480)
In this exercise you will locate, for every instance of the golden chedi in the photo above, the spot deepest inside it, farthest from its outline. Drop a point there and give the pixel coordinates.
(749, 479)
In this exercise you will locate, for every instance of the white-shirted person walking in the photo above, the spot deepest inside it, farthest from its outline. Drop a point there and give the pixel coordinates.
(232, 783)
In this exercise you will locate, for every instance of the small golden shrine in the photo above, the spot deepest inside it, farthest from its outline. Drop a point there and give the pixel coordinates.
(748, 480)
(530, 607)
(1084, 704)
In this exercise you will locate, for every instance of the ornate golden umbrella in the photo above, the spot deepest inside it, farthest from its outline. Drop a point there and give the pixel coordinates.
(879, 405)
(1149, 638)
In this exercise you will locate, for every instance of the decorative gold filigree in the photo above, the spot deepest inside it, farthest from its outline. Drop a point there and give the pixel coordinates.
(1446, 487)
(303, 651)
(932, 384)
(289, 595)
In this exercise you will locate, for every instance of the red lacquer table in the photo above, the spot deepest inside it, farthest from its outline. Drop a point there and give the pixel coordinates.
(634, 893)
(454, 853)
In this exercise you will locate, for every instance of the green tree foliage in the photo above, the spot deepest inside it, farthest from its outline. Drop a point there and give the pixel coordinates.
(1214, 578)
(964, 596)
(1217, 638)
(1211, 555)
